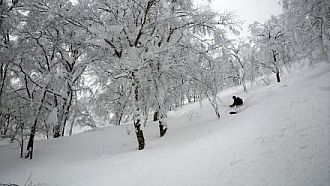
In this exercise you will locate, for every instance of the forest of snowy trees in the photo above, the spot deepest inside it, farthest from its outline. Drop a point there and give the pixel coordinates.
(67, 63)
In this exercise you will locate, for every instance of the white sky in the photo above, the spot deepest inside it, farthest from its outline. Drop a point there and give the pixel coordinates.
(248, 10)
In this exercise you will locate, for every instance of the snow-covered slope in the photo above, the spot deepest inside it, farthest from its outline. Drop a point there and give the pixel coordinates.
(282, 137)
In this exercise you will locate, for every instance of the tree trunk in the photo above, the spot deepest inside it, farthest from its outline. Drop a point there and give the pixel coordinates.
(30, 144)
(243, 82)
(136, 116)
(72, 124)
(214, 104)
(33, 128)
(22, 140)
(278, 76)
(119, 118)
(57, 131)
(156, 115)
(120, 113)
(4, 125)
(139, 133)
(324, 52)
(244, 87)
(162, 123)
(194, 96)
(162, 126)
(217, 113)
(276, 66)
(47, 127)
(66, 109)
(160, 114)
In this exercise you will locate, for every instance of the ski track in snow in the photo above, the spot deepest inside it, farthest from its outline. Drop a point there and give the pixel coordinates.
(282, 137)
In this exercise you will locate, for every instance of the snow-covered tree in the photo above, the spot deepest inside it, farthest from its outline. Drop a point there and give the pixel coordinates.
(308, 24)
(51, 55)
(143, 43)
(270, 39)
(241, 61)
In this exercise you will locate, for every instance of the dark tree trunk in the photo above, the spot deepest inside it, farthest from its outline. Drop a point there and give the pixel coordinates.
(194, 96)
(57, 131)
(33, 128)
(162, 124)
(277, 70)
(156, 114)
(139, 134)
(66, 108)
(218, 115)
(3, 75)
(278, 76)
(160, 114)
(119, 118)
(162, 128)
(137, 119)
(30, 144)
(22, 139)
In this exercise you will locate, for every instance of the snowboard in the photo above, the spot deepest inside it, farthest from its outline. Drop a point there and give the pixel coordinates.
(235, 110)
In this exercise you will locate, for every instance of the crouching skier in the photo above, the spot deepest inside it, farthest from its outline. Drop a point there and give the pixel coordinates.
(237, 105)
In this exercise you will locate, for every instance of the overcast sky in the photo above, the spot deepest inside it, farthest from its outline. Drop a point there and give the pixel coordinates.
(248, 10)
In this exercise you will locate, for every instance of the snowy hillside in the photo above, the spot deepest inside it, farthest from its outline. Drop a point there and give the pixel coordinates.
(282, 137)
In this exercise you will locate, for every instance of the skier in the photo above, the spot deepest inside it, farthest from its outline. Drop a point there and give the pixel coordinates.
(238, 103)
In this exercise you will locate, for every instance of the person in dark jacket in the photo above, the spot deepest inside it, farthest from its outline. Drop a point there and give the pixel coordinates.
(237, 102)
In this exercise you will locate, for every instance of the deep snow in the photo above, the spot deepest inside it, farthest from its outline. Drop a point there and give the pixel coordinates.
(282, 137)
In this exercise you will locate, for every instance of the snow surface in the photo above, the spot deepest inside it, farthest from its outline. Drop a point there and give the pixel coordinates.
(282, 137)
